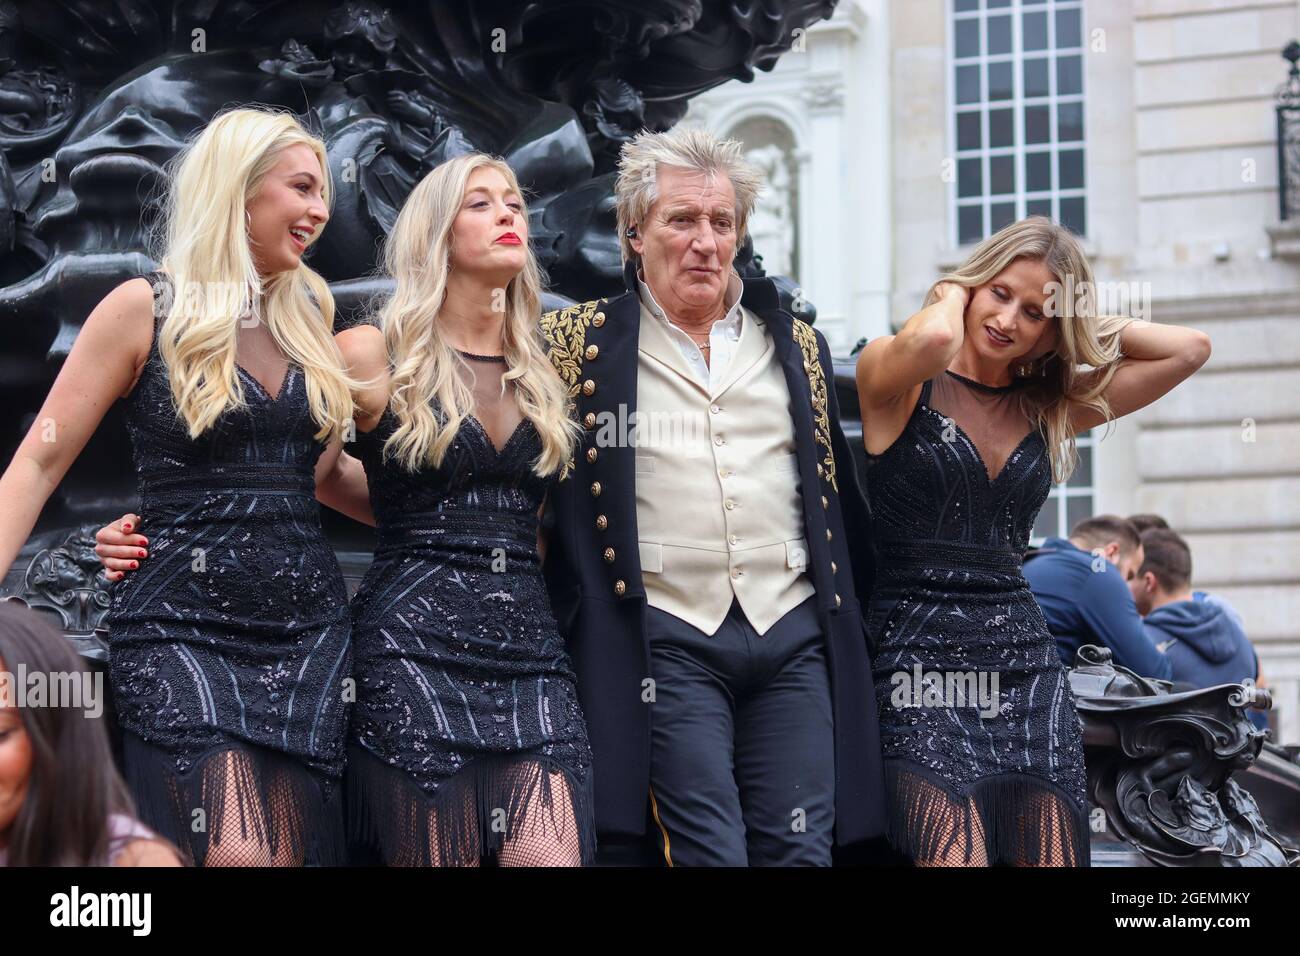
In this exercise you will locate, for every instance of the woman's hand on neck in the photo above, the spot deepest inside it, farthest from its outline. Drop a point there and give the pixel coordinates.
(468, 319)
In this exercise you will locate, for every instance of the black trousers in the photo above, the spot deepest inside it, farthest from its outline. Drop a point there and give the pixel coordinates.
(742, 758)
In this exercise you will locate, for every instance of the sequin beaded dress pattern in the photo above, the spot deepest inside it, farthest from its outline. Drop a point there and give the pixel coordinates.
(230, 646)
(953, 504)
(468, 729)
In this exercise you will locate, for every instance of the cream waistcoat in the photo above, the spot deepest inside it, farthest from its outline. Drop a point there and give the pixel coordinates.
(719, 514)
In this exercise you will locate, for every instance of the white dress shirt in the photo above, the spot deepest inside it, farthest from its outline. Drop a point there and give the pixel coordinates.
(723, 336)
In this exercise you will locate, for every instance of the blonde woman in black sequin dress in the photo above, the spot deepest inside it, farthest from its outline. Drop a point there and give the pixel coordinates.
(468, 738)
(969, 414)
(229, 651)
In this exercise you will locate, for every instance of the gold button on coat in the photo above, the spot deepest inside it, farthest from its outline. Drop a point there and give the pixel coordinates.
(595, 489)
(588, 387)
(589, 420)
(601, 522)
(609, 555)
(598, 319)
(592, 352)
(591, 455)
(620, 588)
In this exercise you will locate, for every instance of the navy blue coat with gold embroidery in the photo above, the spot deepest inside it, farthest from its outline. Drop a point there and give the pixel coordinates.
(594, 574)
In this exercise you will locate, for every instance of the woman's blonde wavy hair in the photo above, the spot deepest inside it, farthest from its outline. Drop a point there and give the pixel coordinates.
(205, 251)
(1087, 351)
(429, 396)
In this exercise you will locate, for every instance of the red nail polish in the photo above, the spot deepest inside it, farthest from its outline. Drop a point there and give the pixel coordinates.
(142, 554)
(135, 564)
(126, 527)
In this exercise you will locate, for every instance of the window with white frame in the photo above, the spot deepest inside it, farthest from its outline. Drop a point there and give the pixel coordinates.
(1017, 114)
(1071, 501)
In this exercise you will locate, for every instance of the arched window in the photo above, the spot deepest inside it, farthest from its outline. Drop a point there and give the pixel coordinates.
(770, 145)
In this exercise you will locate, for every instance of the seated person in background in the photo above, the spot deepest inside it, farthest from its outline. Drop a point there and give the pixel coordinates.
(1082, 586)
(1143, 522)
(62, 802)
(1205, 646)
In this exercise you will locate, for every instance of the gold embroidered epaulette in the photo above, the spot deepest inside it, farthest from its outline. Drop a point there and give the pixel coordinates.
(812, 366)
(566, 333)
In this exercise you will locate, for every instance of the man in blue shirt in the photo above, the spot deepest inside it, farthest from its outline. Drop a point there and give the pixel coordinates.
(1082, 586)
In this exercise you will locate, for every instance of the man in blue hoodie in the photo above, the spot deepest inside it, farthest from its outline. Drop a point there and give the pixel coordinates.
(1204, 643)
(1145, 521)
(1082, 586)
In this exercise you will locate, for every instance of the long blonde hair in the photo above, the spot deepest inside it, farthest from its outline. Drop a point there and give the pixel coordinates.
(424, 367)
(1087, 351)
(205, 252)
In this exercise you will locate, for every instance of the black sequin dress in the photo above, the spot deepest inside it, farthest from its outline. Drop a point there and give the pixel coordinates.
(230, 646)
(467, 730)
(977, 772)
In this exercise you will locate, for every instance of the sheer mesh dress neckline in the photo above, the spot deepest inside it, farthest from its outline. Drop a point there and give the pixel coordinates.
(496, 412)
(980, 386)
(989, 417)
(500, 359)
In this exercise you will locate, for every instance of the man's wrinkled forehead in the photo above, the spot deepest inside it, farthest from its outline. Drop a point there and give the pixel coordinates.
(694, 190)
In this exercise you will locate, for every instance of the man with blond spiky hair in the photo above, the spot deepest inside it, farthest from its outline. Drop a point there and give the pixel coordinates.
(710, 547)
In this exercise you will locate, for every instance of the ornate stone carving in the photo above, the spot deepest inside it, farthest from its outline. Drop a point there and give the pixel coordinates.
(1161, 765)
(824, 96)
(69, 580)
